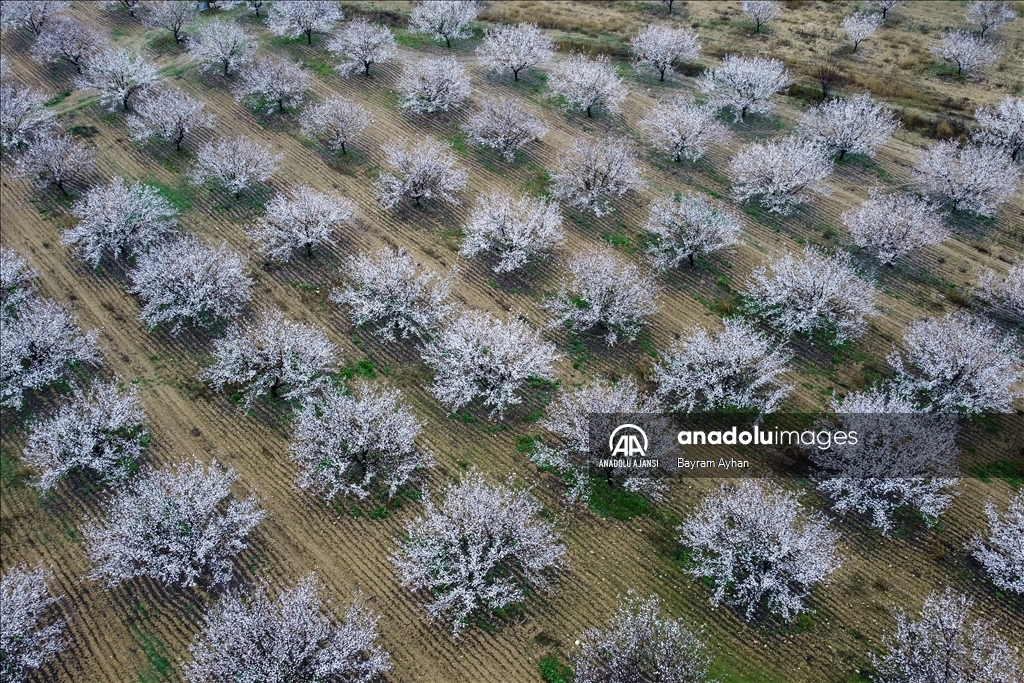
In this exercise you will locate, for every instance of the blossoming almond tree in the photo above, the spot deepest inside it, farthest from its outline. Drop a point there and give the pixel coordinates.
(1001, 553)
(55, 160)
(894, 225)
(975, 178)
(297, 18)
(120, 220)
(661, 47)
(360, 44)
(272, 355)
(24, 117)
(351, 444)
(860, 26)
(760, 548)
(391, 293)
(737, 367)
(169, 114)
(989, 14)
(433, 84)
(479, 357)
(744, 84)
(422, 170)
(1003, 126)
(593, 172)
(816, 291)
(607, 293)
(780, 174)
(248, 637)
(118, 74)
(335, 122)
(67, 39)
(100, 430)
(236, 164)
(504, 124)
(687, 226)
(275, 80)
(762, 11)
(300, 219)
(586, 82)
(514, 48)
(30, 634)
(445, 20)
(478, 550)
(515, 230)
(1005, 294)
(681, 127)
(178, 525)
(221, 44)
(16, 275)
(857, 125)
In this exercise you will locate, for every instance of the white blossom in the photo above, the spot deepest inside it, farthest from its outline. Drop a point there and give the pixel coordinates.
(894, 225)
(480, 357)
(744, 84)
(568, 418)
(117, 74)
(686, 226)
(607, 293)
(640, 644)
(813, 292)
(515, 230)
(858, 125)
(131, 6)
(902, 459)
(234, 163)
(296, 18)
(762, 11)
(38, 341)
(760, 548)
(478, 550)
(361, 44)
(271, 80)
(297, 638)
(860, 26)
(100, 430)
(172, 15)
(221, 44)
(24, 117)
(585, 83)
(960, 363)
(514, 48)
(968, 51)
(255, 6)
(884, 6)
(16, 277)
(68, 39)
(445, 20)
(184, 281)
(504, 124)
(989, 14)
(30, 634)
(1003, 126)
(389, 292)
(55, 160)
(976, 178)
(120, 220)
(947, 644)
(335, 122)
(300, 219)
(32, 14)
(433, 84)
(349, 445)
(780, 173)
(681, 127)
(736, 367)
(1001, 553)
(422, 170)
(178, 525)
(272, 355)
(593, 172)
(169, 114)
(1004, 294)
(661, 47)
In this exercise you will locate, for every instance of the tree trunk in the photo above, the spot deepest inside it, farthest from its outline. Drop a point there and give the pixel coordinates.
(692, 264)
(842, 153)
(309, 249)
(366, 71)
(448, 42)
(515, 74)
(663, 74)
(280, 106)
(343, 149)
(225, 67)
(60, 186)
(588, 112)
(309, 37)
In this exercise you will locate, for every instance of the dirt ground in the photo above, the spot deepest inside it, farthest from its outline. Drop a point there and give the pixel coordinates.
(141, 631)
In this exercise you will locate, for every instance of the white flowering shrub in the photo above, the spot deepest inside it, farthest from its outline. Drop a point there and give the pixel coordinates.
(687, 226)
(815, 292)
(272, 355)
(761, 550)
(683, 128)
(584, 83)
(389, 292)
(593, 172)
(300, 219)
(514, 48)
(606, 293)
(780, 174)
(478, 550)
(100, 430)
(422, 170)
(178, 525)
(736, 367)
(505, 125)
(515, 230)
(1001, 553)
(351, 445)
(744, 84)
(894, 225)
(477, 357)
(431, 84)
(30, 635)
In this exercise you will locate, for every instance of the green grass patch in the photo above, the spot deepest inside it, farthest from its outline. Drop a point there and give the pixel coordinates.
(525, 443)
(412, 40)
(578, 351)
(608, 500)
(159, 666)
(538, 184)
(552, 670)
(60, 97)
(177, 196)
(458, 143)
(319, 67)
(1010, 471)
(363, 368)
(10, 471)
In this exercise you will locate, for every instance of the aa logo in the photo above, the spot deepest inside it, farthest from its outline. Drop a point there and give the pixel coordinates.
(627, 441)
